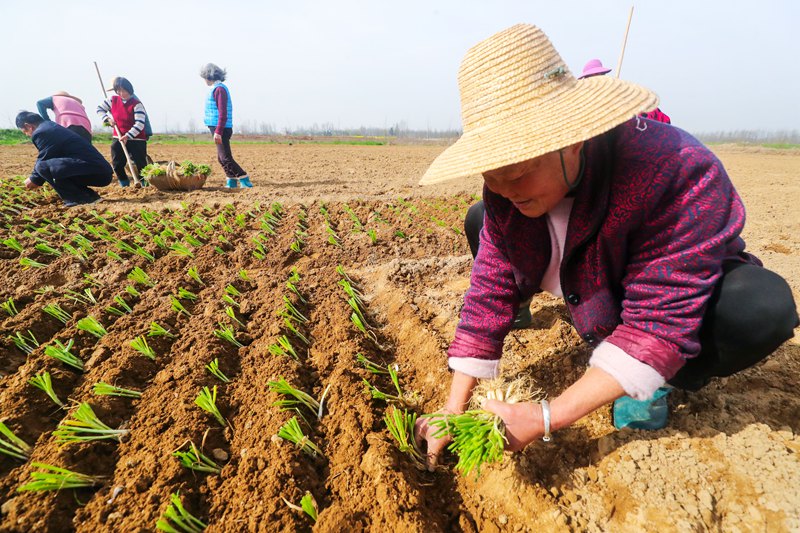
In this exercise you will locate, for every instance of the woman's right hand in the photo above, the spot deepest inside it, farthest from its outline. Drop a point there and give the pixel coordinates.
(217, 138)
(424, 431)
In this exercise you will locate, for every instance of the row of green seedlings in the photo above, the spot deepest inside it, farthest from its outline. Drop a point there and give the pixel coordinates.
(330, 227)
(294, 321)
(15, 198)
(358, 226)
(268, 223)
(301, 231)
(355, 299)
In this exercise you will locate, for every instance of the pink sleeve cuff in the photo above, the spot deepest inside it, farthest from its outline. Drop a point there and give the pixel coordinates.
(477, 368)
(639, 380)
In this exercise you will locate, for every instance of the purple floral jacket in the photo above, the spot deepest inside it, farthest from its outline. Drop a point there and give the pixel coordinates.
(652, 221)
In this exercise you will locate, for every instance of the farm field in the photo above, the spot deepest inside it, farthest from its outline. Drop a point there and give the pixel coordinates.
(251, 279)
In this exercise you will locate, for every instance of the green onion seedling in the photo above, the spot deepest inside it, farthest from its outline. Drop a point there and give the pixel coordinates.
(192, 273)
(213, 367)
(181, 250)
(62, 353)
(283, 347)
(92, 326)
(157, 330)
(55, 478)
(12, 445)
(297, 397)
(84, 426)
(27, 263)
(207, 401)
(9, 307)
(185, 294)
(478, 438)
(183, 520)
(26, 344)
(47, 249)
(370, 366)
(194, 459)
(232, 314)
(44, 382)
(177, 306)
(137, 275)
(292, 432)
(401, 427)
(14, 244)
(226, 333)
(102, 388)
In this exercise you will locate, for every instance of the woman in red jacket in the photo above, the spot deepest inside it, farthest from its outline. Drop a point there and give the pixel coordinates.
(126, 112)
(633, 222)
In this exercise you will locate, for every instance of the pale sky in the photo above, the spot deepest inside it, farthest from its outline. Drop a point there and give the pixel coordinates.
(717, 66)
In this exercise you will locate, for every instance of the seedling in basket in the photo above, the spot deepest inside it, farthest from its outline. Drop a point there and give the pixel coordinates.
(92, 326)
(62, 353)
(12, 445)
(25, 343)
(207, 401)
(213, 367)
(102, 388)
(84, 426)
(292, 432)
(54, 478)
(176, 519)
(194, 459)
(44, 382)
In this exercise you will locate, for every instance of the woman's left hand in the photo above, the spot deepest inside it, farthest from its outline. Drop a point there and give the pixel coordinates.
(523, 422)
(123, 139)
(217, 138)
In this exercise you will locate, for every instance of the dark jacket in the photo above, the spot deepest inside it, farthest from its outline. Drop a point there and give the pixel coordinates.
(67, 153)
(652, 222)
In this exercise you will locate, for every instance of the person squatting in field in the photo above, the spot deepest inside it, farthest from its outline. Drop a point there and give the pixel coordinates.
(69, 113)
(633, 222)
(126, 112)
(219, 120)
(66, 161)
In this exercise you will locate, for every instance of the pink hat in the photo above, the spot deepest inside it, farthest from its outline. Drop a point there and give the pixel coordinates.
(593, 68)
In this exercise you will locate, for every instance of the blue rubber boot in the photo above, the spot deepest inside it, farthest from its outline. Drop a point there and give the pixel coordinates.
(232, 183)
(245, 182)
(124, 183)
(645, 414)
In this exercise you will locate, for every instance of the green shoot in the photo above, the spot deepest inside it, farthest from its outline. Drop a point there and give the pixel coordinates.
(26, 344)
(283, 347)
(373, 235)
(43, 382)
(370, 366)
(9, 307)
(292, 432)
(57, 312)
(207, 401)
(194, 459)
(192, 273)
(137, 275)
(184, 521)
(296, 397)
(140, 345)
(478, 438)
(44, 289)
(156, 330)
(230, 289)
(232, 314)
(120, 301)
(185, 294)
(84, 426)
(62, 353)
(291, 327)
(14, 244)
(12, 445)
(230, 301)
(130, 289)
(86, 297)
(102, 388)
(307, 505)
(181, 250)
(243, 275)
(226, 333)
(111, 254)
(213, 367)
(92, 326)
(401, 397)
(401, 426)
(290, 312)
(55, 478)
(177, 306)
(27, 263)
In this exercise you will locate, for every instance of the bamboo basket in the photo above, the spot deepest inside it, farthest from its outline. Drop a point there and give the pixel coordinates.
(171, 181)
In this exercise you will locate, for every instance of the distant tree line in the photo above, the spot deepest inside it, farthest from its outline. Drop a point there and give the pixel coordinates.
(751, 136)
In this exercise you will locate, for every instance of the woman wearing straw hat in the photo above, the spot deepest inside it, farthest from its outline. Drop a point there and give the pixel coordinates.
(69, 112)
(633, 222)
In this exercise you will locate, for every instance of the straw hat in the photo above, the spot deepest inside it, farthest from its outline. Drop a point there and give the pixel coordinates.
(519, 101)
(65, 93)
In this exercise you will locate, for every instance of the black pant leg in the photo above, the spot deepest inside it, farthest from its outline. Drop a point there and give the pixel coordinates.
(138, 153)
(225, 156)
(749, 315)
(473, 224)
(70, 188)
(118, 161)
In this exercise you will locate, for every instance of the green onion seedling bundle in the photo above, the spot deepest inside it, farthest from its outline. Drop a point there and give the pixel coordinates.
(43, 382)
(27, 263)
(213, 367)
(47, 249)
(410, 399)
(181, 250)
(194, 459)
(177, 306)
(14, 244)
(137, 275)
(207, 401)
(140, 345)
(307, 505)
(12, 445)
(84, 426)
(292, 432)
(102, 388)
(62, 353)
(192, 273)
(183, 520)
(55, 478)
(92, 326)
(370, 366)
(232, 314)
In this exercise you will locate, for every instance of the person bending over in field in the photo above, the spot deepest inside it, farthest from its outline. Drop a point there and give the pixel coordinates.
(69, 112)
(66, 161)
(633, 222)
(219, 119)
(126, 112)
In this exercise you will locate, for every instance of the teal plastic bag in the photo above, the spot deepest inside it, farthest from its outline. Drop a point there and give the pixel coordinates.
(642, 414)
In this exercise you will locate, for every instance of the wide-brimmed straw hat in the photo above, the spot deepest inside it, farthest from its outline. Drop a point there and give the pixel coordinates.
(65, 93)
(593, 67)
(519, 101)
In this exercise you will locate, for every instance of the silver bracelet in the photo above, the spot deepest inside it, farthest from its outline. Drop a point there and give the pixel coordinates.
(546, 417)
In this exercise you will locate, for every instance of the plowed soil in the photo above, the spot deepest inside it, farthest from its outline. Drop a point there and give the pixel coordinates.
(728, 461)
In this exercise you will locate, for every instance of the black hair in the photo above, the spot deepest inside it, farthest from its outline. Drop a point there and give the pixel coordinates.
(122, 83)
(26, 117)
